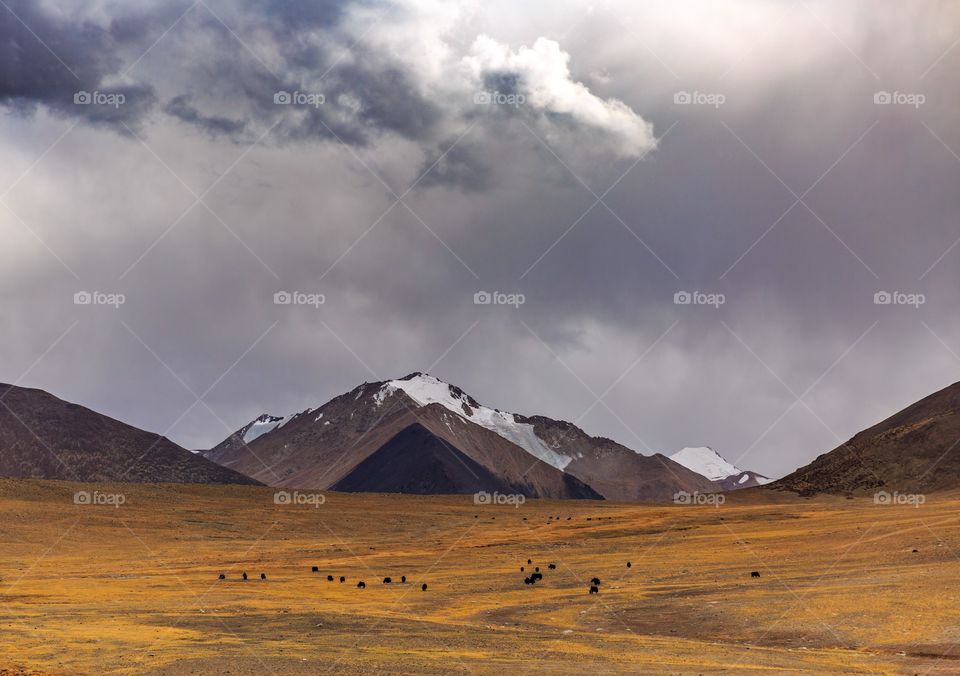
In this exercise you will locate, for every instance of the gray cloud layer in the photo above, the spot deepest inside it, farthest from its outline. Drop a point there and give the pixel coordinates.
(506, 125)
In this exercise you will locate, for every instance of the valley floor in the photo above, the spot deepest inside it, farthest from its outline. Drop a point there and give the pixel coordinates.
(134, 589)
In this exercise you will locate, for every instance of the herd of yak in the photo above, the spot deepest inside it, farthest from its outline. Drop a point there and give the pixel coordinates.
(533, 578)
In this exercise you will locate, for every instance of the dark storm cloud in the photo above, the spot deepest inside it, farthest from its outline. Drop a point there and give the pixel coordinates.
(45, 60)
(180, 108)
(509, 203)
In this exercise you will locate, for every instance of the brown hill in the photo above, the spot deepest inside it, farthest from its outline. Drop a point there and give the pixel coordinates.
(916, 450)
(43, 437)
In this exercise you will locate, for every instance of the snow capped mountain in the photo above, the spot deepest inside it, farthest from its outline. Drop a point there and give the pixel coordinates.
(707, 462)
(390, 436)
(426, 389)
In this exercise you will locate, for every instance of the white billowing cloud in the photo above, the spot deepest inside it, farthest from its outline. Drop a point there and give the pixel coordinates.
(542, 75)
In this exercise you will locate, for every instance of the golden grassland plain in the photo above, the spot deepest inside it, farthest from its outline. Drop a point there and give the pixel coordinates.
(135, 589)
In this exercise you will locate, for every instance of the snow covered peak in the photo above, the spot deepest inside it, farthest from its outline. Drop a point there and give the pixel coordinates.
(425, 389)
(706, 462)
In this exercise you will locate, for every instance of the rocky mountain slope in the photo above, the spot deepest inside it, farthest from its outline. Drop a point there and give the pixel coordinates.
(43, 437)
(915, 450)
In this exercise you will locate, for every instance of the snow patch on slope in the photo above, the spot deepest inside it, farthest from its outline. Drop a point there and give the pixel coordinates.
(706, 462)
(260, 426)
(425, 389)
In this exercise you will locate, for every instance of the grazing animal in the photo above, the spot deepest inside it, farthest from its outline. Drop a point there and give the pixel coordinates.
(263, 576)
(387, 580)
(423, 587)
(244, 576)
(629, 564)
(315, 569)
(528, 580)
(343, 579)
(552, 566)
(403, 578)
(594, 589)
(222, 576)
(361, 585)
(596, 581)
(529, 561)
(521, 569)
(536, 576)
(755, 574)
(329, 578)
(537, 569)
(915, 551)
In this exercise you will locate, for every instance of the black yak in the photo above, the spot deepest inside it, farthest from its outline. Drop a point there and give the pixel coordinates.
(361, 585)
(244, 576)
(596, 581)
(594, 589)
(423, 587)
(263, 576)
(222, 576)
(403, 578)
(755, 574)
(329, 578)
(387, 580)
(343, 579)
(315, 569)
(552, 566)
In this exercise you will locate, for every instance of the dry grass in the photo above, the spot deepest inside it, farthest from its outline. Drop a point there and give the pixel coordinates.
(96, 589)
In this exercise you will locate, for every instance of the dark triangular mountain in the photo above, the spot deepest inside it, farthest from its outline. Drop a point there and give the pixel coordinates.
(915, 450)
(417, 461)
(43, 437)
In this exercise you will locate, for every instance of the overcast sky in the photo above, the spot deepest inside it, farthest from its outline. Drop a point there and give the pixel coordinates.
(786, 160)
